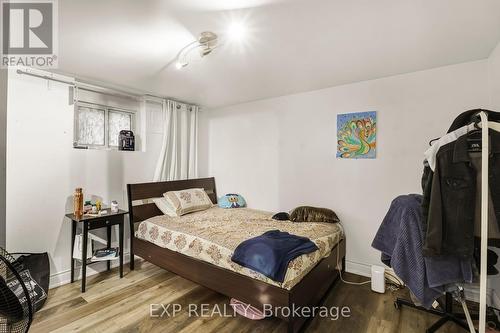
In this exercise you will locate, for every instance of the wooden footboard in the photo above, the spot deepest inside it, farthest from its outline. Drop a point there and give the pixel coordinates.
(309, 292)
(221, 280)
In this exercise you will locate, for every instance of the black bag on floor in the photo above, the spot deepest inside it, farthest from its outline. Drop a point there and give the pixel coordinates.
(36, 266)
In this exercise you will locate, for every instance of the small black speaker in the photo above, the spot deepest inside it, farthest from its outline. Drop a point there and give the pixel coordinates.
(126, 141)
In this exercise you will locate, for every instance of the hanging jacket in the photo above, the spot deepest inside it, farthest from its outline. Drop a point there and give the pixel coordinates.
(449, 198)
(463, 119)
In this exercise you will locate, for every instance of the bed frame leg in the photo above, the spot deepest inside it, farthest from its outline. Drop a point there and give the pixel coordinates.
(132, 256)
(290, 325)
(131, 225)
(132, 261)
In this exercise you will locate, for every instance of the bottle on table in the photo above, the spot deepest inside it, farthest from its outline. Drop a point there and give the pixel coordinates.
(78, 203)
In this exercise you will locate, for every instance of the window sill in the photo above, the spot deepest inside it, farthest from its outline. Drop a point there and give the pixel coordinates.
(104, 149)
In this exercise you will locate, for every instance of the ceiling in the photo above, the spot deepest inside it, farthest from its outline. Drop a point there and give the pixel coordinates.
(291, 45)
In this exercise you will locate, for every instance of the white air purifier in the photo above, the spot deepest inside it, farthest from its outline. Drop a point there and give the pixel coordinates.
(378, 279)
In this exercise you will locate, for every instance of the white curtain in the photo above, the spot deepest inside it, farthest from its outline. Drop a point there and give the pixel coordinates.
(179, 152)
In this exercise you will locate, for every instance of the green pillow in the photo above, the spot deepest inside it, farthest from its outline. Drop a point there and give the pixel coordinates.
(313, 214)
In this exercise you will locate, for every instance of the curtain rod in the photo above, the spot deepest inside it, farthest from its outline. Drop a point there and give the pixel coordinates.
(112, 91)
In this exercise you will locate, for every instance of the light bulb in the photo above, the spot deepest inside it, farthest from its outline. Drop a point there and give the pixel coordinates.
(236, 31)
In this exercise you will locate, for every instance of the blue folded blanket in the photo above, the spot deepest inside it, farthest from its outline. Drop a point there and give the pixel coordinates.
(271, 253)
(400, 239)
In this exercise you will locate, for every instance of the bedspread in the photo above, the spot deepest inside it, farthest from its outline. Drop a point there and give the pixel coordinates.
(212, 235)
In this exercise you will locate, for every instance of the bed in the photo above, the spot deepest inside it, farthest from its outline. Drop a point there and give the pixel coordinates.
(196, 247)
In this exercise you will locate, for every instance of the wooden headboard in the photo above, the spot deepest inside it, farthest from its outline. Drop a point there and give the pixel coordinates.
(140, 192)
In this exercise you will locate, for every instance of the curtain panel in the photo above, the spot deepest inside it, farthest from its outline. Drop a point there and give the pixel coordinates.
(179, 152)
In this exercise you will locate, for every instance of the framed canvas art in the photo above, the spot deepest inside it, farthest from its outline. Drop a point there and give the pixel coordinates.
(357, 135)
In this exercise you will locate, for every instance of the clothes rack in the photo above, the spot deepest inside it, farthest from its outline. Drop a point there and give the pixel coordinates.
(486, 126)
(447, 313)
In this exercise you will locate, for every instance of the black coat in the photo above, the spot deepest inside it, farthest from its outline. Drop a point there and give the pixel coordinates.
(448, 206)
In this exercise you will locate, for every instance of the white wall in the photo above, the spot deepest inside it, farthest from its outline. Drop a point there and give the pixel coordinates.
(43, 169)
(494, 78)
(3, 140)
(494, 95)
(280, 153)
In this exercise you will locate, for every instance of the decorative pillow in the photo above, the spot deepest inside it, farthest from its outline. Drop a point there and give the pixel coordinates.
(313, 214)
(232, 201)
(281, 216)
(164, 205)
(188, 200)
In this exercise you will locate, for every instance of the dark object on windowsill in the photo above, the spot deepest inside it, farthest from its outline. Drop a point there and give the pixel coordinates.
(313, 214)
(126, 141)
(281, 216)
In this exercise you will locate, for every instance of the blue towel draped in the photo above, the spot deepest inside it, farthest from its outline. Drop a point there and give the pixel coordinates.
(400, 239)
(271, 253)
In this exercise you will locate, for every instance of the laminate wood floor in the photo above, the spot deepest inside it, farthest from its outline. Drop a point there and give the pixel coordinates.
(112, 304)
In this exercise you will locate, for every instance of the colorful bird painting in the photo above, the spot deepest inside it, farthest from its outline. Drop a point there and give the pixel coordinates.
(357, 135)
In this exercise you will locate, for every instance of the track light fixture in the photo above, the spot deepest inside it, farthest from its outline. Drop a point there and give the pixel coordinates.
(205, 44)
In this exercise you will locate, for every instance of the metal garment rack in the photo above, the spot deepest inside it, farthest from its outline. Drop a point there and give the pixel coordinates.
(486, 126)
(447, 314)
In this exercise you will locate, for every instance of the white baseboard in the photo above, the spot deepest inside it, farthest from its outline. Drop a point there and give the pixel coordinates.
(358, 268)
(64, 277)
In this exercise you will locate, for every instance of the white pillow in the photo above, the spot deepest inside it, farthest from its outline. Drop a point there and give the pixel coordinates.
(165, 206)
(188, 200)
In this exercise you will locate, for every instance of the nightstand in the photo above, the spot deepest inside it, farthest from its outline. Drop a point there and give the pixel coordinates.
(91, 223)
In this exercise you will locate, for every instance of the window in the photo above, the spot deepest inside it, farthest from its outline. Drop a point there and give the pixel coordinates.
(118, 121)
(91, 126)
(99, 126)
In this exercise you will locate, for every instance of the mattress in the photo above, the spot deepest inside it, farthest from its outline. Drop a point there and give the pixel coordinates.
(212, 235)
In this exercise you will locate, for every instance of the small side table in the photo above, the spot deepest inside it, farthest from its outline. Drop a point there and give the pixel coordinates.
(91, 223)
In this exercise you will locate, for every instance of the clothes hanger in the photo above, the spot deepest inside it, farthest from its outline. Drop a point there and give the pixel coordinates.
(476, 120)
(474, 137)
(492, 124)
(433, 140)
